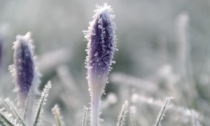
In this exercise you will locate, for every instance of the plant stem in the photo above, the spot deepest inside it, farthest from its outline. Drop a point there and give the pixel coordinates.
(95, 107)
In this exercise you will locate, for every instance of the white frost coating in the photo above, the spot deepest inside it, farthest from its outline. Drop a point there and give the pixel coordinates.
(107, 13)
(25, 39)
(102, 9)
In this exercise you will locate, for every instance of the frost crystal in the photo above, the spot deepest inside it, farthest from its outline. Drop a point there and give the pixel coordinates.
(23, 69)
(101, 42)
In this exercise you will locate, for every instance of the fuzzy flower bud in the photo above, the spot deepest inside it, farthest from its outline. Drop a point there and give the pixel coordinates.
(100, 50)
(101, 42)
(23, 69)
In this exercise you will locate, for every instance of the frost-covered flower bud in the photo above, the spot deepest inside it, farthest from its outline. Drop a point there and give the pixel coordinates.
(24, 68)
(100, 50)
(101, 44)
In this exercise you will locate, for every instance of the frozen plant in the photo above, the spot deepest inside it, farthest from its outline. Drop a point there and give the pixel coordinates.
(26, 78)
(100, 50)
(24, 69)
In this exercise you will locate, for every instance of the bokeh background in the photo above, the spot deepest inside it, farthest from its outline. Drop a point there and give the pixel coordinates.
(164, 51)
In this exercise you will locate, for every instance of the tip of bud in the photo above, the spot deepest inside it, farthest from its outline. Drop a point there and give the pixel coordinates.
(104, 12)
(103, 9)
(26, 36)
(23, 39)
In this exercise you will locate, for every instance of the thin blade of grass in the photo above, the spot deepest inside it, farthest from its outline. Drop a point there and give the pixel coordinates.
(57, 116)
(4, 121)
(10, 107)
(85, 116)
(122, 115)
(41, 103)
(162, 111)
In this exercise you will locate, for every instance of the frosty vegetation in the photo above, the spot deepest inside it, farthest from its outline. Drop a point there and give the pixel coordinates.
(156, 81)
(100, 50)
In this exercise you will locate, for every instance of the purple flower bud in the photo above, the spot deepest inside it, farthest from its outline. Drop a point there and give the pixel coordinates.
(100, 50)
(23, 68)
(101, 42)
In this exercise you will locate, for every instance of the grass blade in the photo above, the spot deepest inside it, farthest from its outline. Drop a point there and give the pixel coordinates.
(57, 116)
(4, 121)
(162, 111)
(10, 108)
(41, 103)
(122, 115)
(85, 116)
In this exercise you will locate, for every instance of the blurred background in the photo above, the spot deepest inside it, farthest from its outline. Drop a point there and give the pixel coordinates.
(164, 51)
